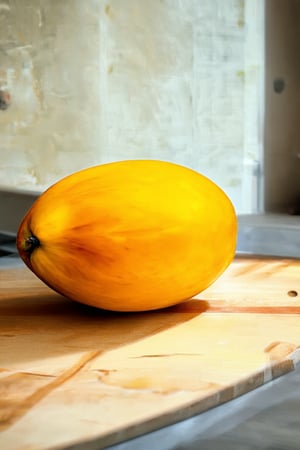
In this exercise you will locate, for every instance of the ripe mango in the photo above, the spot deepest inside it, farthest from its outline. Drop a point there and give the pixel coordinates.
(130, 236)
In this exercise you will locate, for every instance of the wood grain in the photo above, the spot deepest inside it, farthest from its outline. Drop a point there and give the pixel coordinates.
(70, 373)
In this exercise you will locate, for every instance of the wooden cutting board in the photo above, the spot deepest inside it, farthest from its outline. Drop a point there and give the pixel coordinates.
(70, 373)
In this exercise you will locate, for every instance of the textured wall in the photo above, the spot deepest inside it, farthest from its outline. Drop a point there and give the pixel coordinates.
(95, 81)
(50, 63)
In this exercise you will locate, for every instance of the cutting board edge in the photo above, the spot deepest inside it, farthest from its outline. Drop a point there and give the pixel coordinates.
(192, 408)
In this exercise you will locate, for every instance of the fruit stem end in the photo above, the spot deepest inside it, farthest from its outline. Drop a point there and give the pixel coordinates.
(31, 243)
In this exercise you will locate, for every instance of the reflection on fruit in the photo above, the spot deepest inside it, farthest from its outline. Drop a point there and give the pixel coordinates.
(130, 235)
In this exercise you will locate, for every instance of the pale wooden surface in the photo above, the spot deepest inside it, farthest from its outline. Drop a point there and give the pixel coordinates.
(70, 373)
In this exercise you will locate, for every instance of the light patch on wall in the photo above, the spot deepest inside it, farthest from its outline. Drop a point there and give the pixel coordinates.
(50, 65)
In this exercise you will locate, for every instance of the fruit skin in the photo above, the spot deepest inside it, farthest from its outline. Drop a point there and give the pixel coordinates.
(130, 236)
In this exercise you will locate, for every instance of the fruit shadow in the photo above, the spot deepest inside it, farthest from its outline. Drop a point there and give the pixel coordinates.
(38, 324)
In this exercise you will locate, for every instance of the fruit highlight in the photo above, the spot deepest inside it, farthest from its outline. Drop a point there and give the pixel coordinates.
(130, 236)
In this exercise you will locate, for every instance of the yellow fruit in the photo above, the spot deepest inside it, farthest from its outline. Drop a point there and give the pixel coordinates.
(130, 235)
